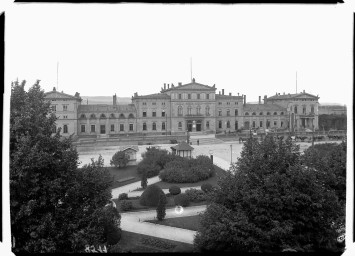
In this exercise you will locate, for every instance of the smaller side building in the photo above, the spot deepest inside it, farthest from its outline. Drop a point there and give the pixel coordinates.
(131, 152)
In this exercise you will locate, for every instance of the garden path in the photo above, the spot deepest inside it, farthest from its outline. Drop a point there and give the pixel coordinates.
(132, 222)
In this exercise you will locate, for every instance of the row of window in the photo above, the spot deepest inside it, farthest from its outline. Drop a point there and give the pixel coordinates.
(154, 126)
(261, 113)
(304, 110)
(153, 103)
(103, 128)
(246, 124)
(194, 96)
(189, 110)
(65, 107)
(228, 103)
(154, 114)
(111, 116)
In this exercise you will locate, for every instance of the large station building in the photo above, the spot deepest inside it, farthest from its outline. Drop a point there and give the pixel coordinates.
(177, 109)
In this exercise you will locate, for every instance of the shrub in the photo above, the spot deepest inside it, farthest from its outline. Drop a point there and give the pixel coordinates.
(182, 200)
(126, 205)
(119, 159)
(174, 190)
(144, 180)
(195, 195)
(150, 196)
(161, 207)
(113, 235)
(173, 141)
(157, 243)
(123, 196)
(206, 187)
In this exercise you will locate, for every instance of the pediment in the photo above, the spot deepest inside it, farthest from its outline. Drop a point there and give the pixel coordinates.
(194, 87)
(305, 96)
(59, 95)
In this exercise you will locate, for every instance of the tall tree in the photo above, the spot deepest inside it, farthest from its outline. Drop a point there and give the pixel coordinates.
(268, 202)
(46, 188)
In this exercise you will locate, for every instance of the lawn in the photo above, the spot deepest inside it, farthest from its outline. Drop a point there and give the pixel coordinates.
(213, 180)
(138, 207)
(123, 173)
(133, 242)
(189, 222)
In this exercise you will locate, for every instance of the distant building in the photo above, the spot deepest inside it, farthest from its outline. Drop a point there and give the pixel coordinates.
(177, 109)
(331, 110)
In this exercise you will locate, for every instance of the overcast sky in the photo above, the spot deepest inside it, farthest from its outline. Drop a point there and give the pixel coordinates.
(126, 48)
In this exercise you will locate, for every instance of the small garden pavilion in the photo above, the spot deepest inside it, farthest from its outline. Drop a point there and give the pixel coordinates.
(182, 149)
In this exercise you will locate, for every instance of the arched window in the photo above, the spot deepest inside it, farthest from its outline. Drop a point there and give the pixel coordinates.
(228, 124)
(295, 109)
(144, 126)
(130, 115)
(246, 113)
(268, 113)
(312, 109)
(220, 124)
(154, 126)
(275, 113)
(82, 116)
(189, 110)
(122, 116)
(92, 116)
(261, 113)
(102, 116)
(198, 110)
(228, 112)
(304, 110)
(180, 111)
(253, 113)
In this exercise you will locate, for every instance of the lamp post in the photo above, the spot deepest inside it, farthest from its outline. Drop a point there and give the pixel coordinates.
(231, 153)
(211, 155)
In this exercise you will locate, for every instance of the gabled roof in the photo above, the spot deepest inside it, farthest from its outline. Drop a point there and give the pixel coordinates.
(182, 146)
(60, 95)
(292, 96)
(191, 86)
(262, 107)
(153, 96)
(123, 148)
(128, 108)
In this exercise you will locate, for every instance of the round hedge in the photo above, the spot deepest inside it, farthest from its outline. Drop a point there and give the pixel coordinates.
(123, 196)
(126, 205)
(206, 187)
(113, 235)
(182, 200)
(174, 190)
(150, 196)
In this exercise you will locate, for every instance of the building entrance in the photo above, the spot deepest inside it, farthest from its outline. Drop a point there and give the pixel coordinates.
(198, 126)
(189, 126)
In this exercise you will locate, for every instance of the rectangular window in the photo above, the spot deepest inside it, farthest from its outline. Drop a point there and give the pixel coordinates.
(163, 103)
(102, 129)
(163, 113)
(65, 117)
(121, 127)
(179, 96)
(65, 128)
(82, 128)
(275, 123)
(228, 113)
(54, 108)
(65, 107)
(189, 96)
(144, 103)
(282, 124)
(163, 126)
(219, 103)
(112, 127)
(253, 124)
(92, 128)
(154, 113)
(261, 123)
(228, 103)
(154, 103)
(207, 125)
(144, 126)
(131, 127)
(198, 96)
(220, 112)
(236, 112)
(180, 125)
(220, 124)
(207, 96)
(144, 114)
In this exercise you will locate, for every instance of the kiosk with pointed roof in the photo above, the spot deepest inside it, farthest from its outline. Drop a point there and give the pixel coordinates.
(182, 149)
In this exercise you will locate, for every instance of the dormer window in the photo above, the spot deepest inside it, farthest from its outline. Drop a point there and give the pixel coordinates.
(102, 116)
(253, 113)
(92, 116)
(82, 116)
(246, 113)
(275, 113)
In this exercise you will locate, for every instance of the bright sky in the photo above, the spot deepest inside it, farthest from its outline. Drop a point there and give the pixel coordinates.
(126, 48)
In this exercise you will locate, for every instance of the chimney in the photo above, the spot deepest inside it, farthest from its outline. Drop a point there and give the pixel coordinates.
(168, 86)
(304, 91)
(222, 91)
(114, 100)
(284, 93)
(276, 93)
(238, 93)
(259, 99)
(164, 86)
(193, 80)
(172, 85)
(245, 99)
(136, 94)
(54, 89)
(219, 92)
(180, 83)
(230, 94)
(265, 98)
(77, 94)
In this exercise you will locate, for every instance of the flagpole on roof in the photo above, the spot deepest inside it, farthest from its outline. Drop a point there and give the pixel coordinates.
(191, 67)
(57, 74)
(296, 82)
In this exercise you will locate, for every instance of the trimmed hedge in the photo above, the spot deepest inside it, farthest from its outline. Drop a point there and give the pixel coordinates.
(195, 195)
(126, 205)
(113, 235)
(182, 200)
(174, 190)
(150, 196)
(206, 187)
(123, 196)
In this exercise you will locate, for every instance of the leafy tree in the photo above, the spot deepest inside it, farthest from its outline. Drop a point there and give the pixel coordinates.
(119, 159)
(54, 205)
(161, 207)
(267, 202)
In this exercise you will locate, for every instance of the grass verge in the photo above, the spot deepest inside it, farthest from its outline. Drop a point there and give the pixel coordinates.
(189, 222)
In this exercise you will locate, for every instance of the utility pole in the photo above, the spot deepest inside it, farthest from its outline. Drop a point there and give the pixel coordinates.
(231, 153)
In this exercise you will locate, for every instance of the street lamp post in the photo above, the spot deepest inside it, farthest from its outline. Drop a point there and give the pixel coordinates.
(231, 153)
(211, 155)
